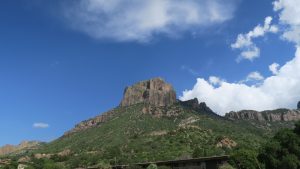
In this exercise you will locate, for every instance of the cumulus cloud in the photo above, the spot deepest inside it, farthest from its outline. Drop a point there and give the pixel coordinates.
(245, 43)
(281, 90)
(40, 125)
(136, 20)
(274, 68)
(215, 80)
(289, 16)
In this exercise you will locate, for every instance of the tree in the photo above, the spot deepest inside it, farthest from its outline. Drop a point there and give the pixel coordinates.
(244, 159)
(290, 162)
(297, 127)
(198, 152)
(283, 150)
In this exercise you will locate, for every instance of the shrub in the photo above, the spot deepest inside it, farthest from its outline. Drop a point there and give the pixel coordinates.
(152, 166)
(244, 159)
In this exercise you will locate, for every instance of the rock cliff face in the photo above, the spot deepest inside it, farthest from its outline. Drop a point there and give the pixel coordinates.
(155, 92)
(269, 116)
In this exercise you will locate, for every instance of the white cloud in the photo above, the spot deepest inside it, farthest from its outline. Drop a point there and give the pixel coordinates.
(244, 42)
(140, 20)
(250, 53)
(289, 15)
(40, 125)
(254, 76)
(280, 90)
(274, 68)
(215, 80)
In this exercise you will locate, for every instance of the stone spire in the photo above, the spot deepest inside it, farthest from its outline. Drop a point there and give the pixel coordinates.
(155, 92)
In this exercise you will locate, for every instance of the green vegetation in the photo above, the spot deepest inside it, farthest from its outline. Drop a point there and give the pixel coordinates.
(132, 136)
(136, 137)
(279, 152)
(283, 150)
(152, 166)
(245, 159)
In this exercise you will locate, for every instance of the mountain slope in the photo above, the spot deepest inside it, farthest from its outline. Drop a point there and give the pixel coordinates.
(24, 146)
(133, 135)
(142, 129)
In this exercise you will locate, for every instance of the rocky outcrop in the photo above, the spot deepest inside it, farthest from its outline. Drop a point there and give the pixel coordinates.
(226, 143)
(269, 115)
(25, 145)
(155, 92)
(199, 107)
(298, 105)
(158, 111)
(193, 103)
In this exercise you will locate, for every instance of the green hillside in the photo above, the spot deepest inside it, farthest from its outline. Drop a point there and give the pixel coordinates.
(132, 136)
(152, 125)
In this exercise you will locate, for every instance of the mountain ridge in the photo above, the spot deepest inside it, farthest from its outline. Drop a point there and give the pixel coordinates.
(141, 130)
(276, 115)
(147, 92)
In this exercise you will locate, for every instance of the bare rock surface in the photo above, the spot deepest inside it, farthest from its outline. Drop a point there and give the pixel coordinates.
(154, 92)
(267, 116)
(226, 142)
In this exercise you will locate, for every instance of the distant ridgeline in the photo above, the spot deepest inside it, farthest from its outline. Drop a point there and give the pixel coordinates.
(150, 124)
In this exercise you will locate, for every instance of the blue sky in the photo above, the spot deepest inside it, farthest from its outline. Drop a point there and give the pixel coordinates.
(59, 67)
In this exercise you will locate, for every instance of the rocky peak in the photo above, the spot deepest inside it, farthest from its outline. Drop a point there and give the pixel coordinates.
(298, 105)
(194, 104)
(155, 92)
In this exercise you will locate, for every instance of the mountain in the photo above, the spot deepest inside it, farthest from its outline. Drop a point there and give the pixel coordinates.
(23, 146)
(151, 124)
